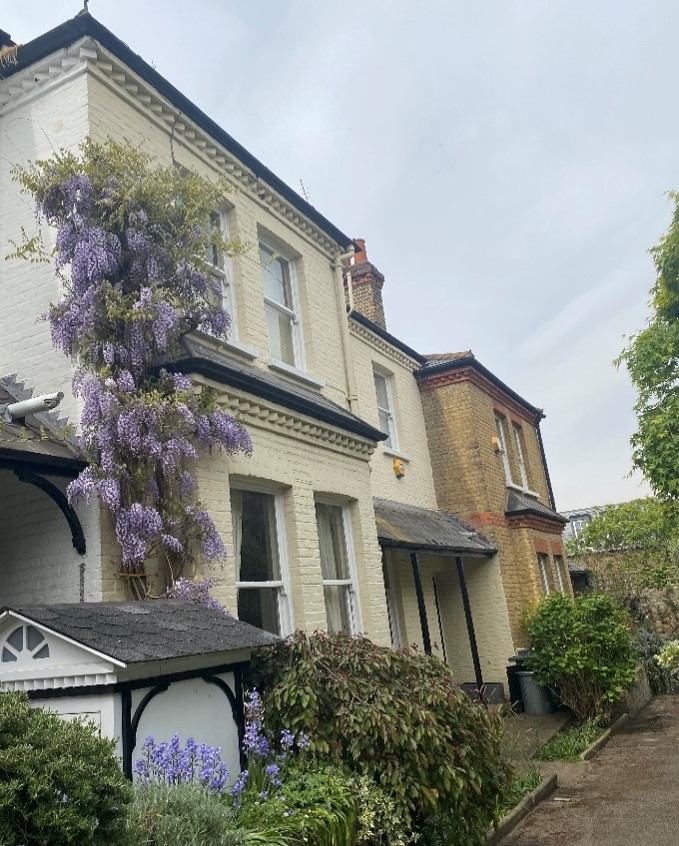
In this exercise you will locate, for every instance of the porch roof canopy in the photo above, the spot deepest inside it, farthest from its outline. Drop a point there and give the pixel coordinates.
(421, 529)
(38, 441)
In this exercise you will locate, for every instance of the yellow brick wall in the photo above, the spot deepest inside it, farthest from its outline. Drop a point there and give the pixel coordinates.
(470, 481)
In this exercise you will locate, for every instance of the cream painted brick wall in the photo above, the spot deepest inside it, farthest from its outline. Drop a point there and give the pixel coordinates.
(300, 470)
(38, 561)
(33, 131)
(321, 306)
(417, 486)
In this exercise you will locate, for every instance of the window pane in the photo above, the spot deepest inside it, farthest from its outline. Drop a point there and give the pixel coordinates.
(334, 563)
(385, 426)
(44, 652)
(281, 344)
(214, 224)
(259, 607)
(16, 639)
(259, 560)
(33, 637)
(337, 608)
(276, 277)
(381, 391)
(8, 655)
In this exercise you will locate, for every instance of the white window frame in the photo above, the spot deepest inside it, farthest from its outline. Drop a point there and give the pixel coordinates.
(353, 599)
(282, 585)
(500, 423)
(392, 442)
(543, 569)
(558, 566)
(294, 313)
(518, 432)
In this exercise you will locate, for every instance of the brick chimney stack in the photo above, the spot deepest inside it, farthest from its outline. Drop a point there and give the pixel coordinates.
(366, 286)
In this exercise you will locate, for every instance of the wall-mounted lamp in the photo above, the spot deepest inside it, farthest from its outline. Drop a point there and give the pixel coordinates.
(399, 468)
(495, 441)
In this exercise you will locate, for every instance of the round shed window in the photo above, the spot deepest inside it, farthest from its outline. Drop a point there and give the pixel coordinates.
(24, 643)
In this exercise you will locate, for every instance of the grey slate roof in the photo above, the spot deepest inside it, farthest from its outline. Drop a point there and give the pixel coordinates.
(197, 357)
(133, 632)
(408, 527)
(518, 503)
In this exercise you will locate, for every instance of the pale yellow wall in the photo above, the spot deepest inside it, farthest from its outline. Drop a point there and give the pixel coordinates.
(417, 485)
(488, 605)
(300, 467)
(321, 307)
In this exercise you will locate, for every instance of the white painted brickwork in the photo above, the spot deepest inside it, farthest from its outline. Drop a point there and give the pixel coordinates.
(38, 561)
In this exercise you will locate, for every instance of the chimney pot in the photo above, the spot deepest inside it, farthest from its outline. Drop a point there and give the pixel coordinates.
(362, 253)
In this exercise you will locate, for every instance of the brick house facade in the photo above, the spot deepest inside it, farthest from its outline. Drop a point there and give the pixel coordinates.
(354, 433)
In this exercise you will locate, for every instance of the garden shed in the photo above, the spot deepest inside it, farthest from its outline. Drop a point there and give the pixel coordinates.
(136, 669)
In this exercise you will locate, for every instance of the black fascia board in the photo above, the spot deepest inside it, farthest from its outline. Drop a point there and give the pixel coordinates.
(84, 24)
(273, 393)
(481, 552)
(50, 465)
(471, 361)
(386, 336)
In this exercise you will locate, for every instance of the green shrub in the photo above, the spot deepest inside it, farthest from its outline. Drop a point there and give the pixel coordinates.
(397, 717)
(60, 782)
(327, 806)
(648, 645)
(181, 815)
(569, 743)
(583, 650)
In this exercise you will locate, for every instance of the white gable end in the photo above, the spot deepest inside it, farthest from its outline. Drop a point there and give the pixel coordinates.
(33, 657)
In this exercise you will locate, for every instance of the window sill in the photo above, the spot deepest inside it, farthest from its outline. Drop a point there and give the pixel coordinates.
(296, 373)
(232, 345)
(394, 453)
(525, 491)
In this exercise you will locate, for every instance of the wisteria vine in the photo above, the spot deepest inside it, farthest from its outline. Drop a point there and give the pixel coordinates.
(131, 245)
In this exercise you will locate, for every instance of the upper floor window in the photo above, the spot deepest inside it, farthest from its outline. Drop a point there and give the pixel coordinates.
(578, 525)
(221, 269)
(282, 307)
(260, 551)
(337, 567)
(385, 407)
(518, 440)
(500, 426)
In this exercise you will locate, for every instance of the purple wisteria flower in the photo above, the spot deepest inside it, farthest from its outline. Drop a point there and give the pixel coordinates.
(196, 592)
(133, 285)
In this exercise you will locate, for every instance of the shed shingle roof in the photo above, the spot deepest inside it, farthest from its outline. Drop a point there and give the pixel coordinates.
(133, 632)
(408, 527)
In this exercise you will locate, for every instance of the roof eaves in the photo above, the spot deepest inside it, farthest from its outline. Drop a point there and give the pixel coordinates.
(84, 25)
(221, 373)
(376, 329)
(432, 367)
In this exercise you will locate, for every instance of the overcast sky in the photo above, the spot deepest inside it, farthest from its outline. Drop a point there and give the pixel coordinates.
(507, 162)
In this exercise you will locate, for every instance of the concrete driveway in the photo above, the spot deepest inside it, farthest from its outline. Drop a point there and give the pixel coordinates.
(628, 795)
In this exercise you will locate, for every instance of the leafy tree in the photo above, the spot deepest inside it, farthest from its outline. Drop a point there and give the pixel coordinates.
(638, 539)
(132, 247)
(652, 360)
